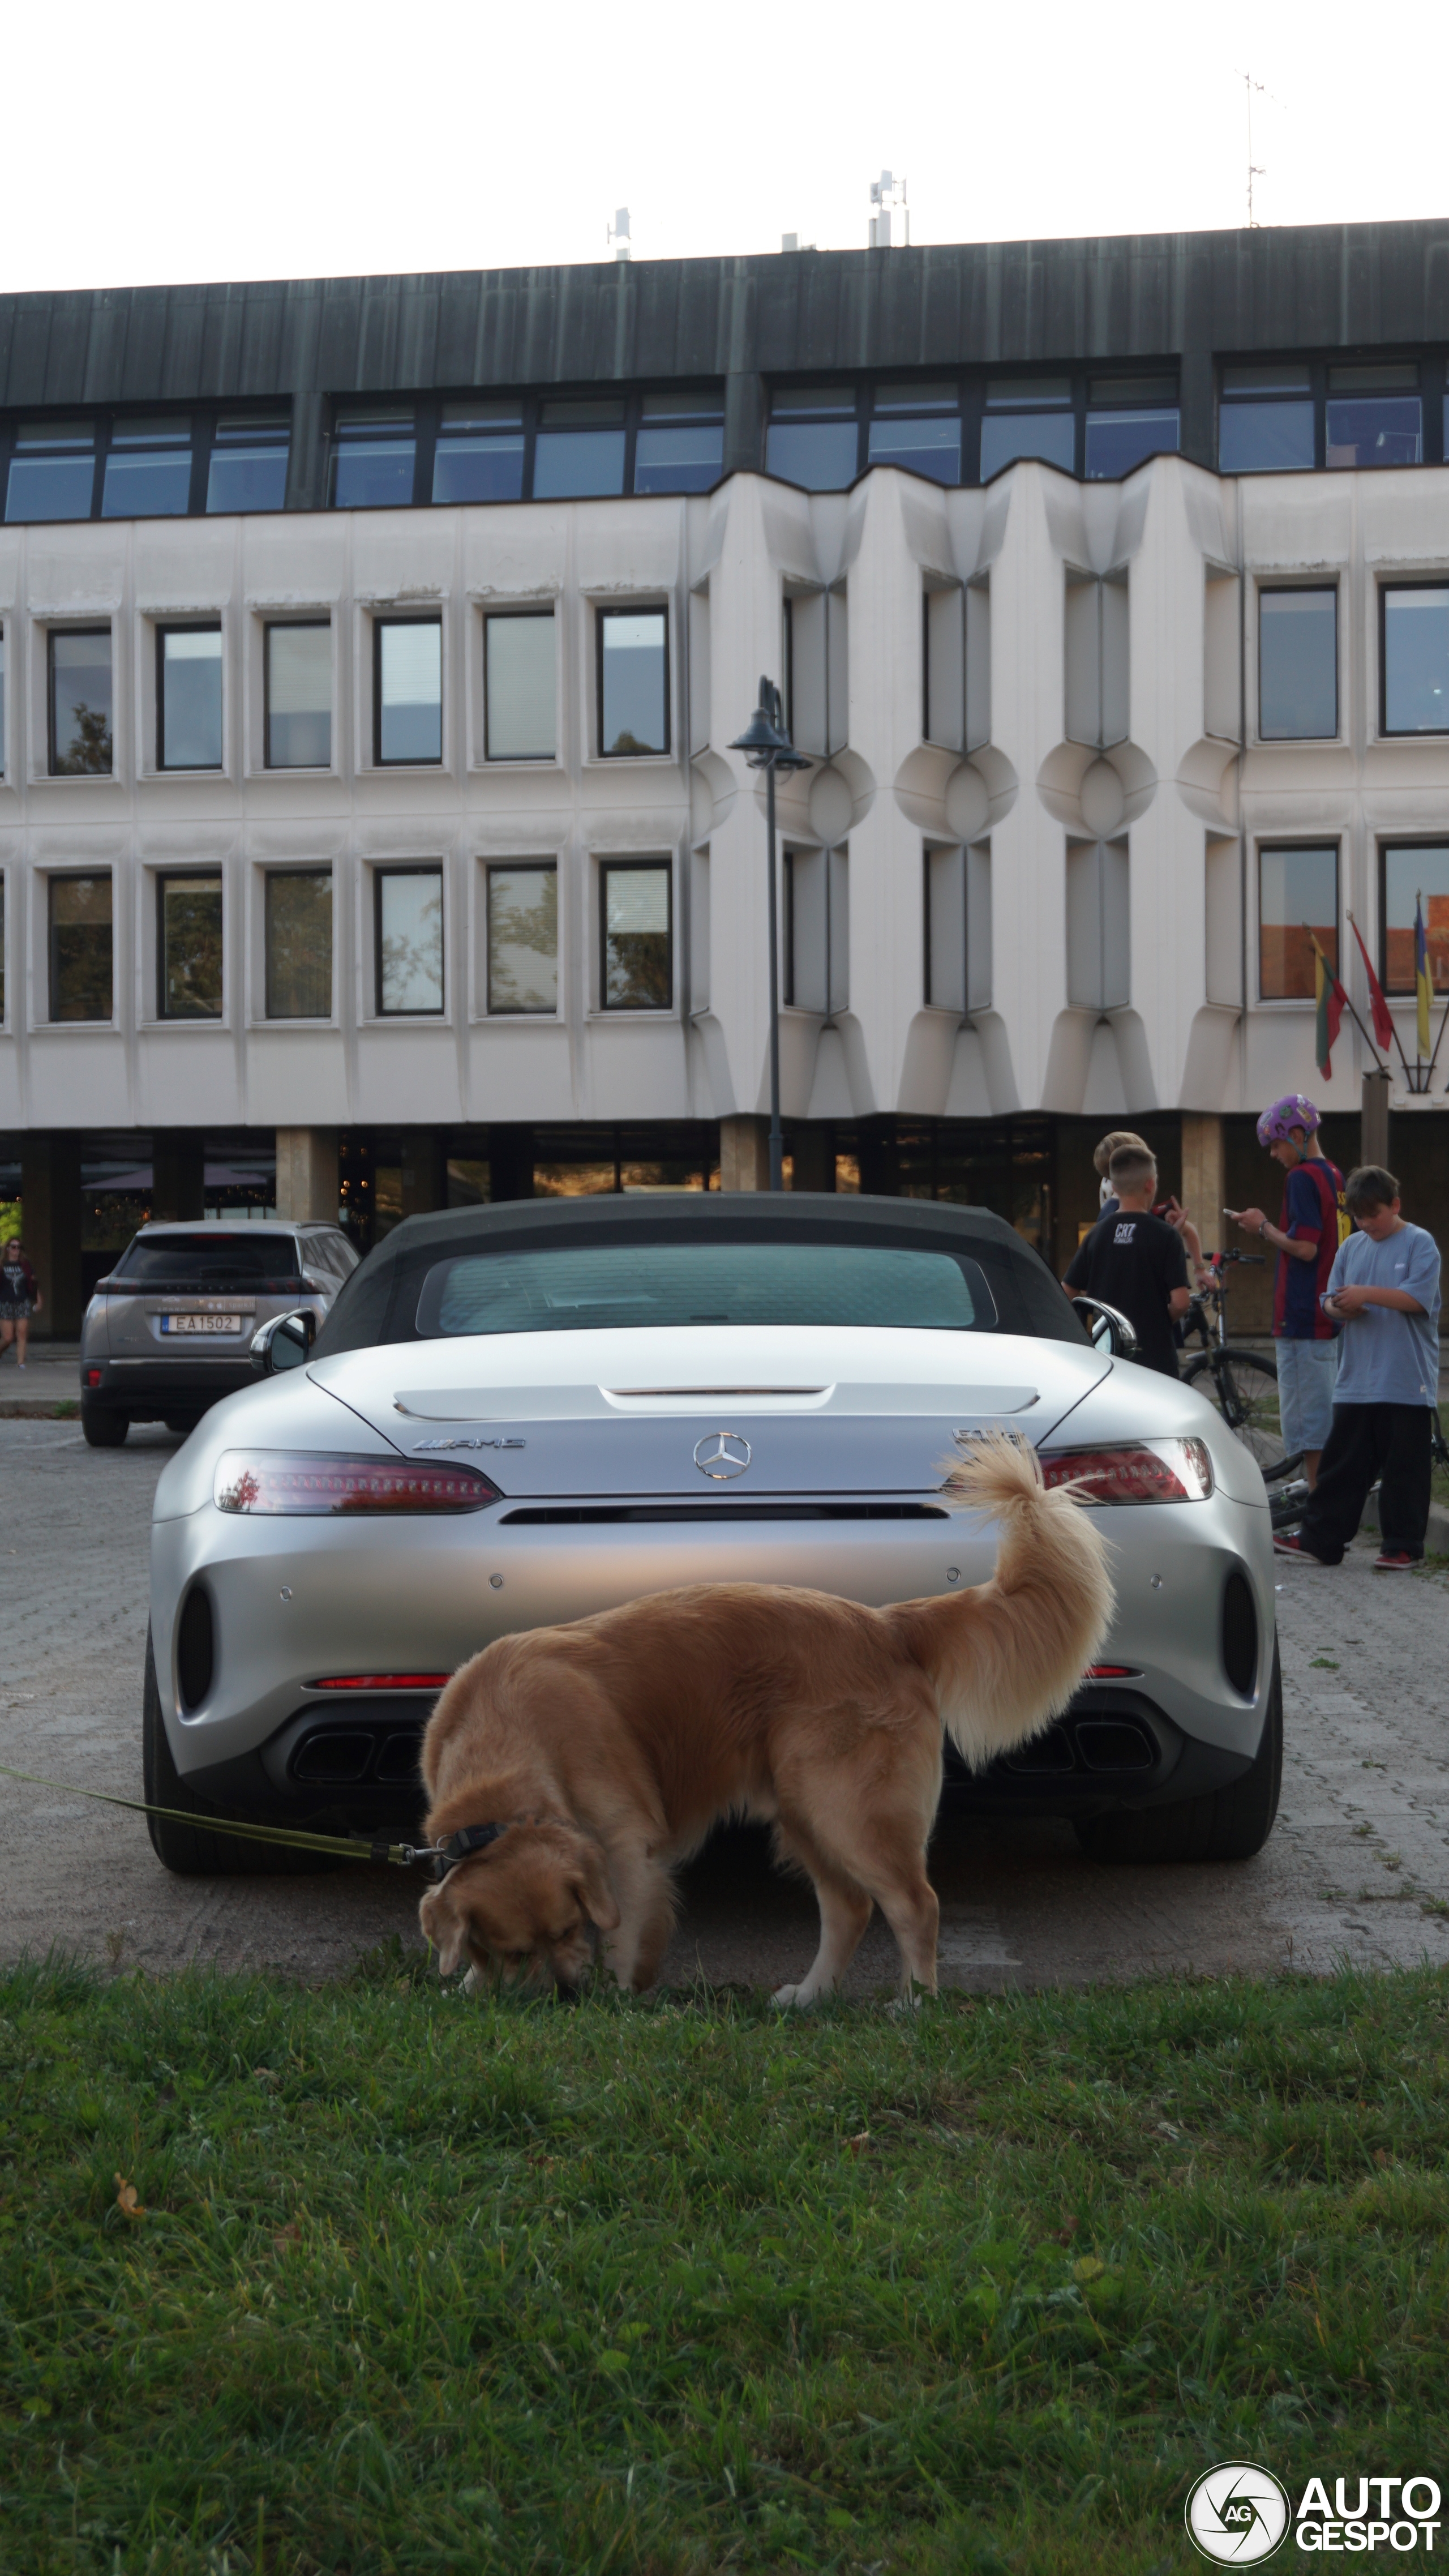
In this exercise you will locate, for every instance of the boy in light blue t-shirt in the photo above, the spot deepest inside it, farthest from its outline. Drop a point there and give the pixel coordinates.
(1384, 1289)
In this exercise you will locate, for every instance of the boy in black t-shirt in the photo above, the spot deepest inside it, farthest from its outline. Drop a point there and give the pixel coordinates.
(1134, 1261)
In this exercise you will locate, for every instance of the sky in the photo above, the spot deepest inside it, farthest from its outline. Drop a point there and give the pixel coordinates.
(166, 142)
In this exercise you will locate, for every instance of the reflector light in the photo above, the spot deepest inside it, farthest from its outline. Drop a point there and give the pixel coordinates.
(382, 1681)
(1149, 1471)
(1111, 1672)
(93, 1377)
(304, 1484)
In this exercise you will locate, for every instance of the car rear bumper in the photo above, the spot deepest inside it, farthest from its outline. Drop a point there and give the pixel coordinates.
(296, 1602)
(146, 1389)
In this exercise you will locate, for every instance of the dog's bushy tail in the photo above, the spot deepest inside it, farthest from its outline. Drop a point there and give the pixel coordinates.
(1006, 1656)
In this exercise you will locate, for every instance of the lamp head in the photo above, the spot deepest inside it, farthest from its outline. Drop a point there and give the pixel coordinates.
(764, 742)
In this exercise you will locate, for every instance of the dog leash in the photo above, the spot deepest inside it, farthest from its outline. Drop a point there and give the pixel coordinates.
(441, 1857)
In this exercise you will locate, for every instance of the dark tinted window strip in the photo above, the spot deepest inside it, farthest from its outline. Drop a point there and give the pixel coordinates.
(610, 1515)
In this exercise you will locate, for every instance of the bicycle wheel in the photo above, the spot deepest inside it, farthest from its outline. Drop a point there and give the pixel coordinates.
(1244, 1389)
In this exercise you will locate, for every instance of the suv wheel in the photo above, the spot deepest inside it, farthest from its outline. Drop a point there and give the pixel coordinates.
(190, 1850)
(1226, 1824)
(103, 1429)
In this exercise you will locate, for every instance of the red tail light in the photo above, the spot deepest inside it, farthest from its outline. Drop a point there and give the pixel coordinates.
(1157, 1471)
(318, 1486)
(383, 1681)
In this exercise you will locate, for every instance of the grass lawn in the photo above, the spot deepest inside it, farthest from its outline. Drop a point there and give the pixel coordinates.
(413, 2283)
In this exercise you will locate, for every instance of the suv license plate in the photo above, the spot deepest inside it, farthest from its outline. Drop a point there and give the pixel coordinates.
(201, 1323)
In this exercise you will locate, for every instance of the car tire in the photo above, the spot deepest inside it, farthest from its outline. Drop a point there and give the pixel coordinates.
(102, 1429)
(188, 1850)
(1226, 1824)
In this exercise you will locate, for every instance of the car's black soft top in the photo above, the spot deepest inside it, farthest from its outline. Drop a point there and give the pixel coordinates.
(379, 1303)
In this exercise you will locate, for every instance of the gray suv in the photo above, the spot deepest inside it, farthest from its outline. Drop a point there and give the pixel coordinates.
(170, 1329)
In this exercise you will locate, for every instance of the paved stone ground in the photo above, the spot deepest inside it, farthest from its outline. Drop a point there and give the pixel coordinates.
(1358, 1868)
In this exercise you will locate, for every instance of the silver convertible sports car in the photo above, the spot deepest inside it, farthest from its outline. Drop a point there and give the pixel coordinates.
(515, 1415)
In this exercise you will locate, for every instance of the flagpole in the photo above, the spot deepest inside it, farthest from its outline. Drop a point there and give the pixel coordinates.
(1398, 1041)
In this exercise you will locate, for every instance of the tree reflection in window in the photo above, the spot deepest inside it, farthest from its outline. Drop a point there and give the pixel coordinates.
(409, 940)
(523, 938)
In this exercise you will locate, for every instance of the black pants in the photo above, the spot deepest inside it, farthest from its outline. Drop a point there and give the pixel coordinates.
(1390, 1441)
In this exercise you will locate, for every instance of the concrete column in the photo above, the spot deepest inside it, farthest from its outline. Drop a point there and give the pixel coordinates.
(307, 1174)
(178, 1173)
(1374, 1134)
(50, 1216)
(744, 1153)
(1203, 1182)
(424, 1171)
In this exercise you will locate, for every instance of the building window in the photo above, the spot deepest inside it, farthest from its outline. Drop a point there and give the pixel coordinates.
(479, 454)
(248, 467)
(1028, 416)
(679, 446)
(298, 933)
(579, 450)
(2, 945)
(522, 937)
(80, 947)
(188, 697)
(80, 702)
(407, 690)
(148, 470)
(1297, 896)
(1297, 665)
(917, 427)
(1414, 874)
(299, 695)
(636, 925)
(188, 947)
(1129, 418)
(408, 906)
(3, 736)
(1414, 658)
(519, 721)
(1374, 417)
(1265, 420)
(373, 454)
(633, 681)
(814, 436)
(52, 471)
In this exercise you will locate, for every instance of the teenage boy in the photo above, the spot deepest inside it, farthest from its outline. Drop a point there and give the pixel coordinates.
(1306, 1240)
(1384, 1290)
(1135, 1261)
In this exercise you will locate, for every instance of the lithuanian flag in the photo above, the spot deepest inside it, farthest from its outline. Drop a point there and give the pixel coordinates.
(1332, 1002)
(1423, 980)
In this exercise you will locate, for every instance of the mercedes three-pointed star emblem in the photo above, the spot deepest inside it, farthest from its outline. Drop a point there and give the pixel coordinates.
(721, 1454)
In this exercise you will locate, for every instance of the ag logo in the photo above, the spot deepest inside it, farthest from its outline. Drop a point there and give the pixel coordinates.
(1237, 2514)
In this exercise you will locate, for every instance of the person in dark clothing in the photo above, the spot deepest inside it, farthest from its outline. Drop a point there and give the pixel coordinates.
(20, 1298)
(1135, 1261)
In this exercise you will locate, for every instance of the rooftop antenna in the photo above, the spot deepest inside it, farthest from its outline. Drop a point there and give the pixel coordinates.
(887, 193)
(618, 233)
(1256, 169)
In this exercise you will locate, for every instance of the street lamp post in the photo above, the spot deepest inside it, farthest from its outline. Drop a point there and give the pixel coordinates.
(766, 745)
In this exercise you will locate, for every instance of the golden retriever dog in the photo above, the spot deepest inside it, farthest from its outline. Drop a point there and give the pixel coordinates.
(606, 1749)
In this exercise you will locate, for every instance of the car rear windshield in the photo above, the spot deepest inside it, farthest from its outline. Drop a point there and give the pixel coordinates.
(209, 1262)
(662, 1284)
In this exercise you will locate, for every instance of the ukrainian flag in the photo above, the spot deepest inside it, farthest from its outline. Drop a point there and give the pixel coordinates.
(1423, 980)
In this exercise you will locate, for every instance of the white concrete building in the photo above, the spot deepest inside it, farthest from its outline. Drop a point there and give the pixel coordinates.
(368, 826)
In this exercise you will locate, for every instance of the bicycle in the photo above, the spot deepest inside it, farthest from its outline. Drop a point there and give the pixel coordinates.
(1243, 1385)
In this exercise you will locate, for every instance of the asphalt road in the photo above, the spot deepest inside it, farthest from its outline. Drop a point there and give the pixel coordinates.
(1358, 1868)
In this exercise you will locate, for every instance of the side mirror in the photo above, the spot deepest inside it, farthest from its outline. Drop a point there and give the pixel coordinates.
(284, 1343)
(1108, 1327)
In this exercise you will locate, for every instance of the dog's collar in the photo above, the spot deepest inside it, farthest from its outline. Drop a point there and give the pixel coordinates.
(466, 1844)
